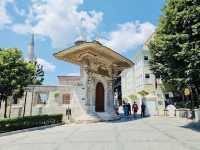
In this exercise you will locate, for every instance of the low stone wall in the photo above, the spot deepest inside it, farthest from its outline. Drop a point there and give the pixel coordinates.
(54, 104)
(197, 115)
(16, 111)
(185, 113)
(182, 113)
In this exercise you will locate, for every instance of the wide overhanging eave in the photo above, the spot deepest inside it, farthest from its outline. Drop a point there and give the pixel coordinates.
(68, 54)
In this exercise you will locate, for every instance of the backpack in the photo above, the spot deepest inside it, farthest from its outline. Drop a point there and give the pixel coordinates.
(135, 107)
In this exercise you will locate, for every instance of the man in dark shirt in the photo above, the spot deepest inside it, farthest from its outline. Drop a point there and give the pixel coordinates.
(143, 107)
(129, 108)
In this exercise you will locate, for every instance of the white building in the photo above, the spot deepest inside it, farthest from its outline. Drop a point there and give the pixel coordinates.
(140, 79)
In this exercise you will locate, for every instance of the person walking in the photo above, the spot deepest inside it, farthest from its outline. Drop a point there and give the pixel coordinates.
(135, 109)
(143, 107)
(129, 108)
(124, 108)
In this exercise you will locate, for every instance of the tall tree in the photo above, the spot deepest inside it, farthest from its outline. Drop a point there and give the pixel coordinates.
(15, 74)
(175, 47)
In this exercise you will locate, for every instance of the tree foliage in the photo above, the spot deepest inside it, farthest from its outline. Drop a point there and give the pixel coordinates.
(175, 47)
(16, 73)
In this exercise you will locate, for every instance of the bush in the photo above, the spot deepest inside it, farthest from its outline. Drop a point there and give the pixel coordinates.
(28, 122)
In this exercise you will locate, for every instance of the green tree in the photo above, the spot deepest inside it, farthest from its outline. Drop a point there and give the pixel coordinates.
(175, 47)
(15, 74)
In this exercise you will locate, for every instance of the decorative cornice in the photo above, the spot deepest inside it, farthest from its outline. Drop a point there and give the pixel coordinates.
(74, 54)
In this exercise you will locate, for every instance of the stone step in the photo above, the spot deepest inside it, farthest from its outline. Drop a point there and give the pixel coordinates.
(108, 116)
(88, 118)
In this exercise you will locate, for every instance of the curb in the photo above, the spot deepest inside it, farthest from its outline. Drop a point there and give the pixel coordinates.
(30, 129)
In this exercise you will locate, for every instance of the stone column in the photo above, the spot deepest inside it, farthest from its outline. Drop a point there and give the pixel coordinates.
(85, 81)
(110, 98)
(91, 92)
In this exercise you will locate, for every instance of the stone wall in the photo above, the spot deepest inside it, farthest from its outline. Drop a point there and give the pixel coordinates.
(54, 103)
(197, 115)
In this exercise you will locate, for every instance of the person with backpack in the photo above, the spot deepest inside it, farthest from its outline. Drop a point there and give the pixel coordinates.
(135, 109)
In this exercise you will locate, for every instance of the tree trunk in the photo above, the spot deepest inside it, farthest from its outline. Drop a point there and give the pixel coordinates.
(10, 109)
(5, 111)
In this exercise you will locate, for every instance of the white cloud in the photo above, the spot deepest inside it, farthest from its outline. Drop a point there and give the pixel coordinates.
(62, 22)
(4, 17)
(128, 35)
(25, 28)
(59, 20)
(48, 67)
(73, 74)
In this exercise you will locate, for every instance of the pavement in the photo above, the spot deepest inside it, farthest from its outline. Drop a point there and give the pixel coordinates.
(153, 133)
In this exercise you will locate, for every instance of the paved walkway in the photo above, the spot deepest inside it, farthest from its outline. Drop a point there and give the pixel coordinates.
(142, 134)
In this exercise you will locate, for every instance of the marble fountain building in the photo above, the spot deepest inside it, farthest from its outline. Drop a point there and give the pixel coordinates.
(89, 96)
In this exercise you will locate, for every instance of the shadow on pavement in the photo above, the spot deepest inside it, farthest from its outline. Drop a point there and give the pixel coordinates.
(193, 126)
(127, 118)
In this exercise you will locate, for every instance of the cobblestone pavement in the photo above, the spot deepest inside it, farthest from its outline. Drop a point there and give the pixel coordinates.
(142, 134)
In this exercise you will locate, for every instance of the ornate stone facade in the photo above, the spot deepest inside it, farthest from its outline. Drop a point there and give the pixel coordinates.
(98, 66)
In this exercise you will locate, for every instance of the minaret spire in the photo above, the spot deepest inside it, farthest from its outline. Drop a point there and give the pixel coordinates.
(31, 45)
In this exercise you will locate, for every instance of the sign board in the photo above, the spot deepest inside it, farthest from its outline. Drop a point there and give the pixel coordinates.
(186, 91)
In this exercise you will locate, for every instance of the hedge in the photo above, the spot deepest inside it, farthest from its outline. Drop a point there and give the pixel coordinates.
(13, 124)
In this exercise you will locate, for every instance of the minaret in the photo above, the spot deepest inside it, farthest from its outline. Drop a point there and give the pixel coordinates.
(31, 55)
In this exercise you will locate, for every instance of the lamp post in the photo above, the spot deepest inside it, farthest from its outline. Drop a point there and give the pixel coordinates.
(11, 101)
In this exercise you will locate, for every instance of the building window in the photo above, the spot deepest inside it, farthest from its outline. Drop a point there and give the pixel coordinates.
(147, 76)
(146, 58)
(42, 97)
(66, 98)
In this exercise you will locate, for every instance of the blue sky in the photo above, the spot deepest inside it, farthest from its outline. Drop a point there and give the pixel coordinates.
(122, 25)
